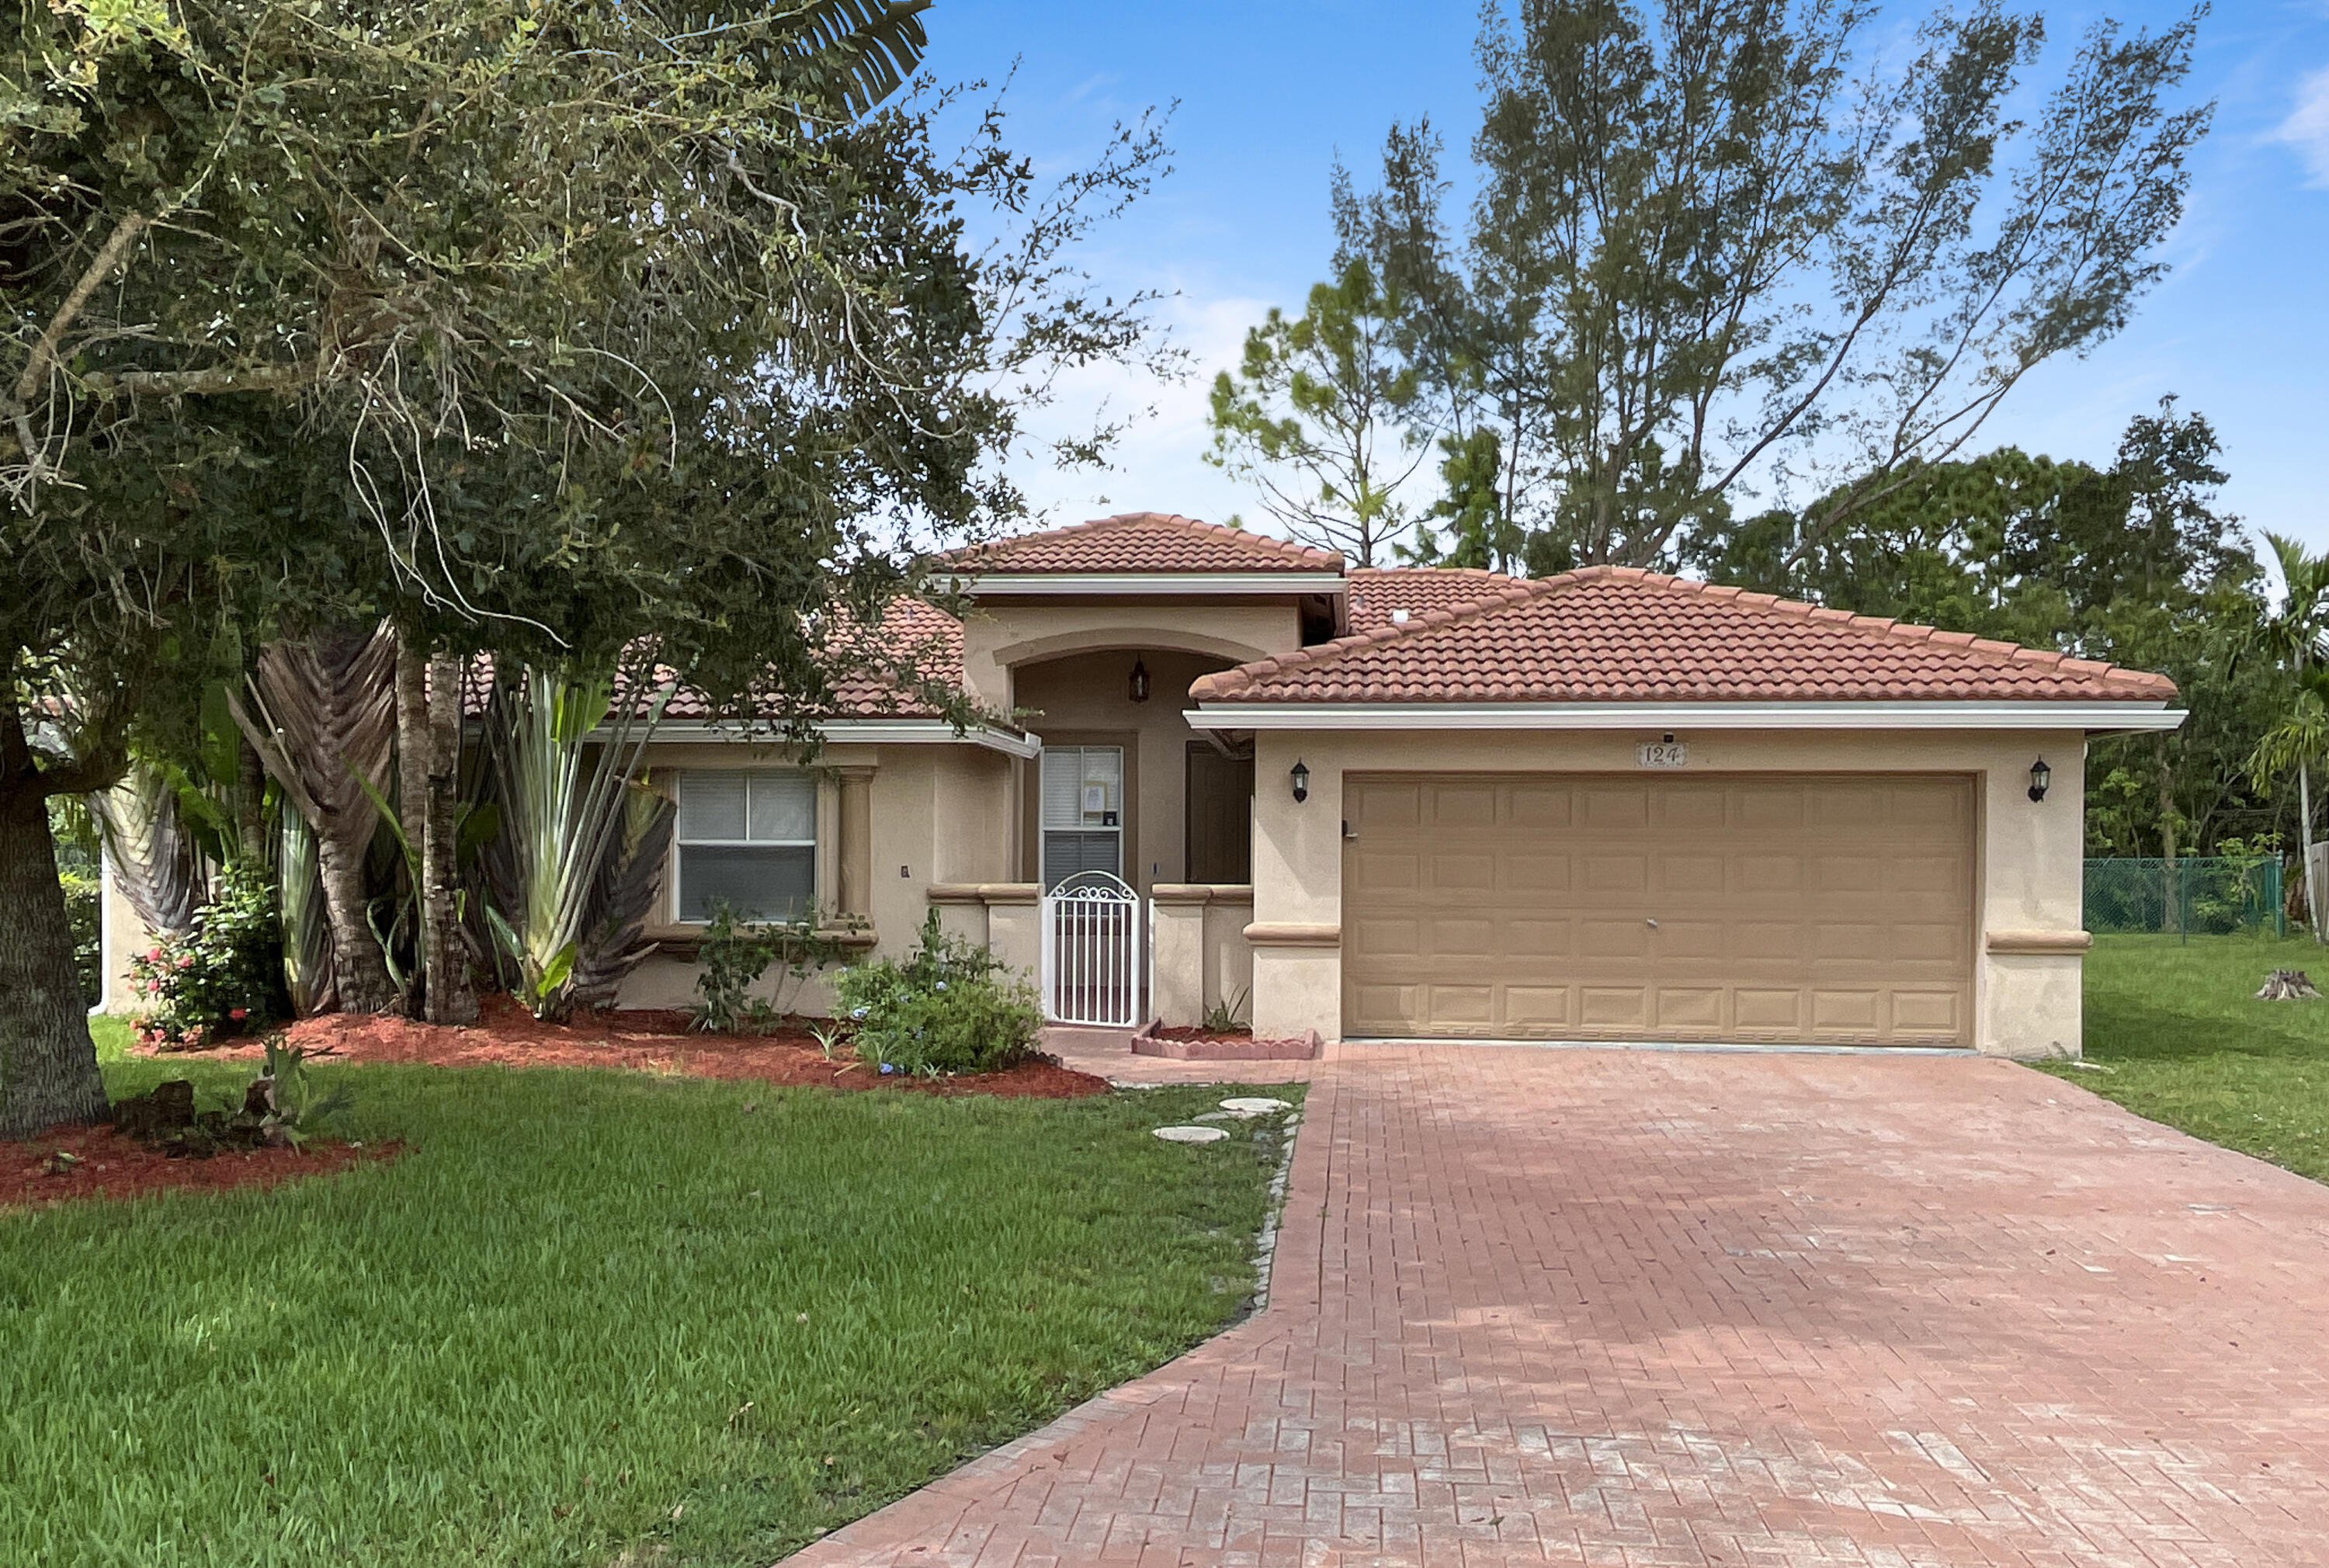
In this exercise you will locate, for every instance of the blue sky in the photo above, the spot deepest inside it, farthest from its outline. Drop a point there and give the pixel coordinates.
(1270, 91)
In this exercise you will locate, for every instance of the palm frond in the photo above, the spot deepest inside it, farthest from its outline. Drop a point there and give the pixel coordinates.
(869, 47)
(148, 851)
(615, 940)
(321, 714)
(308, 970)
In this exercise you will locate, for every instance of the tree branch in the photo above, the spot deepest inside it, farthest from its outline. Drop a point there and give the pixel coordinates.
(45, 348)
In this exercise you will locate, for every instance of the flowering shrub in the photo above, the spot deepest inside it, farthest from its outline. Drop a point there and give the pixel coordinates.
(223, 977)
(947, 1006)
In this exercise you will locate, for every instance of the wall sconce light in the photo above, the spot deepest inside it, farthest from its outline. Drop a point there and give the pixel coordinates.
(2041, 775)
(1301, 778)
(1139, 682)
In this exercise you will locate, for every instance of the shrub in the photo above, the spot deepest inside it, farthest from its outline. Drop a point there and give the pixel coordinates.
(224, 976)
(947, 1006)
(85, 907)
(736, 953)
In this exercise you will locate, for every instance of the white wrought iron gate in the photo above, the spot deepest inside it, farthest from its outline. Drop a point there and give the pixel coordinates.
(1095, 953)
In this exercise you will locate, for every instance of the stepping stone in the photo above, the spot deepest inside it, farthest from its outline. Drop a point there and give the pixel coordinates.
(1248, 1105)
(1216, 1116)
(1191, 1134)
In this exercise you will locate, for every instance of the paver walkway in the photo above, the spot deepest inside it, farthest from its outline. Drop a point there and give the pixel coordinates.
(1655, 1309)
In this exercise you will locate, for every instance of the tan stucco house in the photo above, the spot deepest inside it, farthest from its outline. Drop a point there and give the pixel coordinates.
(1423, 803)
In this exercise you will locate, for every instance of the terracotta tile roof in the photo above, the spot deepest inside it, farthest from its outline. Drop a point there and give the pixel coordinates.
(1614, 635)
(914, 634)
(1143, 541)
(1378, 593)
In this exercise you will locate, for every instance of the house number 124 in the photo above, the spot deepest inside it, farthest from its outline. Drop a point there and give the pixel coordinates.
(1661, 753)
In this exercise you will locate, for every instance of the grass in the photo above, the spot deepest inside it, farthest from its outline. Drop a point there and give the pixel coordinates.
(595, 1318)
(2187, 1044)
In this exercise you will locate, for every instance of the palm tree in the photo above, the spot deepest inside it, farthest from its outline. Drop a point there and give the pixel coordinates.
(2296, 636)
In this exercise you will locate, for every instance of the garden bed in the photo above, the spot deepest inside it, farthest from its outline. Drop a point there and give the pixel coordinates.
(643, 1041)
(102, 1163)
(1193, 1043)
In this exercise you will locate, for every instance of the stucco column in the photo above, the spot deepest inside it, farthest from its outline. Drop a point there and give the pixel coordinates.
(1180, 951)
(856, 842)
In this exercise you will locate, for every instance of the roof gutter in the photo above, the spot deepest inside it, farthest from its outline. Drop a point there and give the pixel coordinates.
(2094, 717)
(1025, 584)
(852, 732)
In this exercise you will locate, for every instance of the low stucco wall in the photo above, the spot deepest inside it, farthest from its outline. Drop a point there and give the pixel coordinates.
(2028, 856)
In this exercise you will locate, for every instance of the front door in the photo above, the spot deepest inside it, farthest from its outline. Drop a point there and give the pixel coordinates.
(1221, 815)
(1083, 812)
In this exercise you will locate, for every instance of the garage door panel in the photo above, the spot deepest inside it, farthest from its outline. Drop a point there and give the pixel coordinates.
(1701, 876)
(1535, 1009)
(1696, 1009)
(1387, 871)
(1613, 1007)
(1526, 873)
(1599, 938)
(1540, 805)
(1813, 907)
(1624, 808)
(1379, 805)
(1690, 809)
(1464, 1006)
(1387, 936)
(1469, 936)
(1938, 1014)
(1462, 806)
(1607, 874)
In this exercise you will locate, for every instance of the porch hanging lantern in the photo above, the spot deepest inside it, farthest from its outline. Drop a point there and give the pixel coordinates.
(1139, 681)
(1300, 774)
(2041, 775)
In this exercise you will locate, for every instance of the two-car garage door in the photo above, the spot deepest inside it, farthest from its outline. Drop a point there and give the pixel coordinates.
(1817, 908)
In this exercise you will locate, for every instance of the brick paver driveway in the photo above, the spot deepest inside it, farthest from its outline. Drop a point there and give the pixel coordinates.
(1658, 1308)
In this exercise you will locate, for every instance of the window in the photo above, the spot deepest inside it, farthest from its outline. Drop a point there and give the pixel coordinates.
(1083, 811)
(749, 837)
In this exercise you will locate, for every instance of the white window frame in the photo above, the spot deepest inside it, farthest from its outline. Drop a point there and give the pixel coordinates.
(680, 846)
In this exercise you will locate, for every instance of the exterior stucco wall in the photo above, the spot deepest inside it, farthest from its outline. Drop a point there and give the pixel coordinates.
(1001, 634)
(1089, 695)
(938, 813)
(2027, 856)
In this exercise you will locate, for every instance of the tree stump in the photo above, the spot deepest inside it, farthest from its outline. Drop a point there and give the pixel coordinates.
(152, 1116)
(2286, 985)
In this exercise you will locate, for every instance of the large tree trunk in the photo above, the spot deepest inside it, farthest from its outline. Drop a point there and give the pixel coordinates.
(428, 760)
(48, 1064)
(323, 717)
(357, 965)
(452, 998)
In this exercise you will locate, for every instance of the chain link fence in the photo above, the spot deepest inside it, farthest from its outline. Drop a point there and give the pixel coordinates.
(2204, 896)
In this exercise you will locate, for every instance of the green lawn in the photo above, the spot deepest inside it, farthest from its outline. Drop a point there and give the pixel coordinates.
(2188, 1044)
(595, 1317)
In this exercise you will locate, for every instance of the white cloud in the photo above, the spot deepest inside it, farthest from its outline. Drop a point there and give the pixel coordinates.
(1158, 465)
(2307, 128)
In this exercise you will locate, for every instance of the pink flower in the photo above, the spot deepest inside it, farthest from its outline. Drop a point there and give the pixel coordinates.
(153, 955)
(237, 1013)
(187, 960)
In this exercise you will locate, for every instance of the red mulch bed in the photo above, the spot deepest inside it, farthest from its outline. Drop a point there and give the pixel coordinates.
(112, 1166)
(646, 1041)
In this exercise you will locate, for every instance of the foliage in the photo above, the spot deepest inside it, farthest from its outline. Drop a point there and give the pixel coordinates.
(1713, 248)
(1222, 1018)
(85, 905)
(1314, 416)
(2134, 565)
(559, 824)
(532, 328)
(223, 977)
(882, 1282)
(2186, 1042)
(947, 1006)
(299, 1105)
(735, 955)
